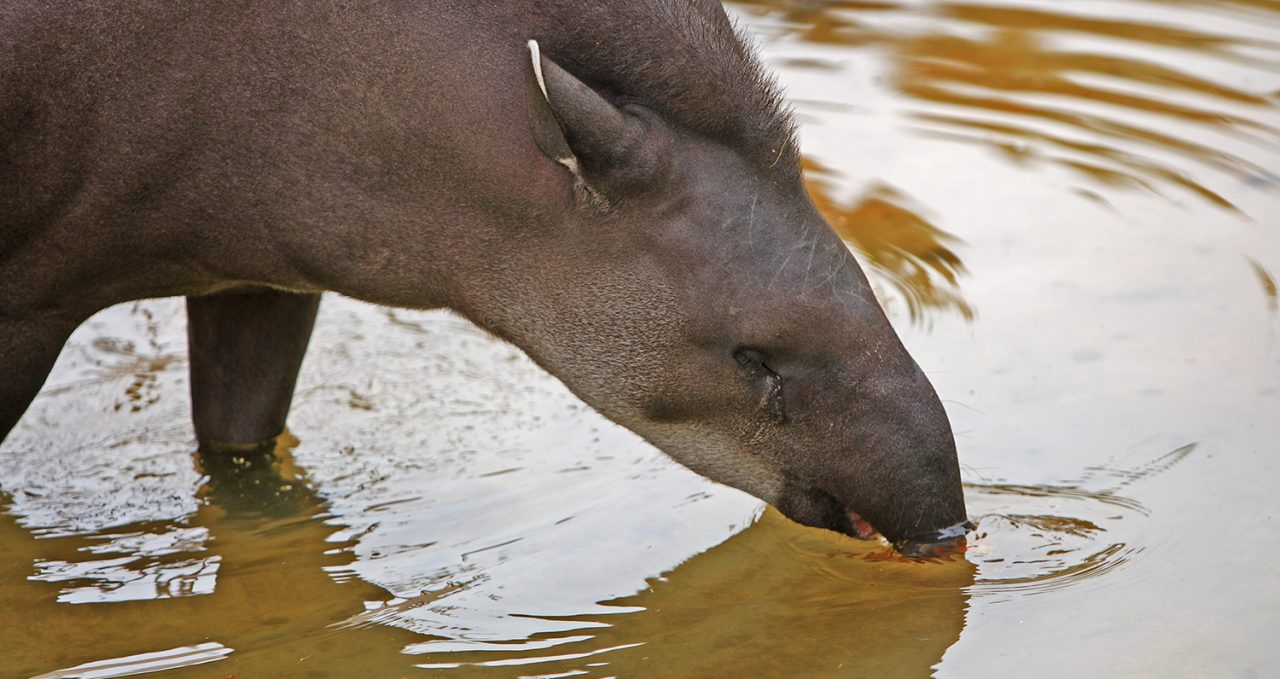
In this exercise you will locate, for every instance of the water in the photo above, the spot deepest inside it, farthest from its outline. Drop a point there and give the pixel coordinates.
(1069, 210)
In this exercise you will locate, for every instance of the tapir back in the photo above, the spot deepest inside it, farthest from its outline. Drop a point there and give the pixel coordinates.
(312, 146)
(297, 145)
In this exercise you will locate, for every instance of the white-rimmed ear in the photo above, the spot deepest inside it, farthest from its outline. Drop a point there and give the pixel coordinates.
(573, 124)
(535, 59)
(542, 120)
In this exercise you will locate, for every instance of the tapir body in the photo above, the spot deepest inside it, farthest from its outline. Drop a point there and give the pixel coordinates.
(612, 187)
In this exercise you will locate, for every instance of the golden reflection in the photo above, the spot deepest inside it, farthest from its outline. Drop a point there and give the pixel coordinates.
(905, 249)
(272, 604)
(1025, 19)
(1111, 119)
(824, 21)
(1268, 283)
(739, 609)
(276, 610)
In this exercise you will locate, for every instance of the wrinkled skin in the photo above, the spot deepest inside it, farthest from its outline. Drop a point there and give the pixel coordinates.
(252, 157)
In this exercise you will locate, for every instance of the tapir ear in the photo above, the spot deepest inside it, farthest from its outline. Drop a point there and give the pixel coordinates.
(574, 125)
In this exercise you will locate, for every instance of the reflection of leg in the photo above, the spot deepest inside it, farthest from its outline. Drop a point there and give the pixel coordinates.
(28, 348)
(245, 349)
(256, 481)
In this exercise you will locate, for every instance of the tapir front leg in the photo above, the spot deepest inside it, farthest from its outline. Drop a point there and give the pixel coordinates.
(246, 348)
(28, 349)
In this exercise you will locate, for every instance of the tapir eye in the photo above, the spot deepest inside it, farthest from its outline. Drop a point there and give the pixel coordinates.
(771, 403)
(749, 359)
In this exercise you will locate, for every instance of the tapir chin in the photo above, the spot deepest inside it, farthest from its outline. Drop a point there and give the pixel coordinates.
(612, 187)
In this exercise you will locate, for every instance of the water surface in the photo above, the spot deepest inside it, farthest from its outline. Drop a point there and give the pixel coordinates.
(1069, 210)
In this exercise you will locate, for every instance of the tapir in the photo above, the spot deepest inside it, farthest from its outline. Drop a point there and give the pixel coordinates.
(612, 187)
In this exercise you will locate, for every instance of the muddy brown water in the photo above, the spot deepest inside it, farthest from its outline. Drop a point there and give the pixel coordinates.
(1070, 212)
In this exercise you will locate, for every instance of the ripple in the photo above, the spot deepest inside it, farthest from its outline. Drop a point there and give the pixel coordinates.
(1033, 539)
(143, 663)
(1066, 88)
(1029, 554)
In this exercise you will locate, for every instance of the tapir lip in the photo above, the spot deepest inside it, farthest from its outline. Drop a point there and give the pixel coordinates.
(862, 529)
(941, 542)
(812, 506)
(934, 543)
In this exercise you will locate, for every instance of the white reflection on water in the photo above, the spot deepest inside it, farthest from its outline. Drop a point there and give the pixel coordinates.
(143, 663)
(457, 464)
(488, 473)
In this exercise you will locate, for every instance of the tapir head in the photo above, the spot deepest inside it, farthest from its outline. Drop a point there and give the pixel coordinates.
(699, 299)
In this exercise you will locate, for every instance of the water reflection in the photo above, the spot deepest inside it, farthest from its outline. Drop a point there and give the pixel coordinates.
(901, 246)
(1035, 553)
(861, 611)
(143, 663)
(243, 580)
(468, 498)
(1039, 84)
(756, 594)
(1268, 283)
(521, 549)
(473, 516)
(1036, 539)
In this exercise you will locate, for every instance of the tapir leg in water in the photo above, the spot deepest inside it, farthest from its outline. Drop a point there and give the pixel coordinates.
(246, 349)
(28, 348)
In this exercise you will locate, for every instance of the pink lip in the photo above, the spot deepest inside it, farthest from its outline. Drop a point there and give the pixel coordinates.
(861, 527)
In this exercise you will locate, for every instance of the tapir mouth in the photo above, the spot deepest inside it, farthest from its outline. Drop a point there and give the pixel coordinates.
(936, 543)
(811, 506)
(862, 529)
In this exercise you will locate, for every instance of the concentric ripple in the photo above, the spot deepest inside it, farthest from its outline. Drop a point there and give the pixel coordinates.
(1033, 539)
(1018, 551)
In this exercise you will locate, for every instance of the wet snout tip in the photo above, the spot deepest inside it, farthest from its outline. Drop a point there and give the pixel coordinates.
(939, 543)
